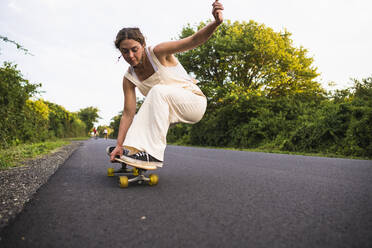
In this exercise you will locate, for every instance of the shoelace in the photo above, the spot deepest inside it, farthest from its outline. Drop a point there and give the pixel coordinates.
(140, 154)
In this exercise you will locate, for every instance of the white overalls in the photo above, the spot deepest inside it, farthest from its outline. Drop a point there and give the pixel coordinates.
(171, 97)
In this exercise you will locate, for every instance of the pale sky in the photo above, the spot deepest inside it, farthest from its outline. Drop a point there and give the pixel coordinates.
(76, 61)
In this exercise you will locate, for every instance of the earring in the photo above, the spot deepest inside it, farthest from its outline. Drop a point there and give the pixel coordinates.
(119, 58)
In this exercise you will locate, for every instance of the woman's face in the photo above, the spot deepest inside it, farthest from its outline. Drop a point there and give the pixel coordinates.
(132, 51)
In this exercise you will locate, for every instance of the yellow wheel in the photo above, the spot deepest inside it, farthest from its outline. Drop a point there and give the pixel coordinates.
(123, 181)
(154, 179)
(110, 172)
(135, 172)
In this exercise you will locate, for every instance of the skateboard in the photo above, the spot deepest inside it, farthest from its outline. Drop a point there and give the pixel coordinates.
(136, 174)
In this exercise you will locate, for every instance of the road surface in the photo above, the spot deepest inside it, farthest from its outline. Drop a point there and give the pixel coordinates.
(205, 198)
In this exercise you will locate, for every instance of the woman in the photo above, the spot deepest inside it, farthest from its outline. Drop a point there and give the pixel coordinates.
(172, 96)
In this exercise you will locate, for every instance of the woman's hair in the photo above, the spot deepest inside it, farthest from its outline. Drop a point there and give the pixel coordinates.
(129, 33)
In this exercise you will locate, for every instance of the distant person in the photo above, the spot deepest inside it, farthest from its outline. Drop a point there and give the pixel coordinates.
(172, 96)
(105, 132)
(95, 132)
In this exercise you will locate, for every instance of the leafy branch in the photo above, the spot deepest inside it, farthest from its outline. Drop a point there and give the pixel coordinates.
(19, 47)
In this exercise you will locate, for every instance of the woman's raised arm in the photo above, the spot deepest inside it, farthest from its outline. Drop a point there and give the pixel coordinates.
(165, 50)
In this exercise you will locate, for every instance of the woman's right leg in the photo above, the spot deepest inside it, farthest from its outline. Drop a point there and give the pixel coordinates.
(164, 104)
(150, 125)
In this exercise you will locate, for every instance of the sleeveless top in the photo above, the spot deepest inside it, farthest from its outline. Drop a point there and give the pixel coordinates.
(173, 75)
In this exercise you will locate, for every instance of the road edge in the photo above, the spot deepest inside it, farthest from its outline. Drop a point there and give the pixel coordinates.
(18, 185)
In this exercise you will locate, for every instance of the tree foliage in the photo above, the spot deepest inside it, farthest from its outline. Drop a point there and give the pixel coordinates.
(89, 116)
(336, 125)
(114, 125)
(14, 92)
(64, 124)
(115, 121)
(262, 93)
(19, 47)
(27, 120)
(252, 58)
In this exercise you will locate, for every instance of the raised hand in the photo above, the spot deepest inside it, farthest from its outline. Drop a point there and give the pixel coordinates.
(217, 11)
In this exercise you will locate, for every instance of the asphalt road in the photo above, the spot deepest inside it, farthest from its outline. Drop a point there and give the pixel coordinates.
(205, 198)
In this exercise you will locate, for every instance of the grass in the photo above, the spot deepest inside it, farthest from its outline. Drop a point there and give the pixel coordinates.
(13, 156)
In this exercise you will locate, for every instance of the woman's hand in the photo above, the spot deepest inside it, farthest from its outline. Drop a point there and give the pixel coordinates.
(117, 151)
(217, 12)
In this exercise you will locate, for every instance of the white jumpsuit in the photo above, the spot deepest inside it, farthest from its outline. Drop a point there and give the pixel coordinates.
(171, 97)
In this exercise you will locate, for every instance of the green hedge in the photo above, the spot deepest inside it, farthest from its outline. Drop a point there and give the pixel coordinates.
(26, 120)
(340, 123)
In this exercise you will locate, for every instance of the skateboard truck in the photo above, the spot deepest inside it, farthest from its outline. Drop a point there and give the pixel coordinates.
(136, 175)
(123, 169)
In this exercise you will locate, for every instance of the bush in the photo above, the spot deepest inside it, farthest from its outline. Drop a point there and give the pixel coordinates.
(64, 124)
(25, 120)
(14, 92)
(36, 122)
(340, 124)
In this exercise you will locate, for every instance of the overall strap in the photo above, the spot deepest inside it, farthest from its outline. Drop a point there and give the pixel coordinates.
(150, 56)
(154, 60)
(131, 76)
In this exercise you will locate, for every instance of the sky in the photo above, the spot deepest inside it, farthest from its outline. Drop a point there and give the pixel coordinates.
(74, 58)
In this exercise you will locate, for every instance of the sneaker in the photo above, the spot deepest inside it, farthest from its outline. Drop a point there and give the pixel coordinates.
(142, 160)
(109, 150)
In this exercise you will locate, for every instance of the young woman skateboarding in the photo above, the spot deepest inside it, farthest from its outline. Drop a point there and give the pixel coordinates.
(172, 96)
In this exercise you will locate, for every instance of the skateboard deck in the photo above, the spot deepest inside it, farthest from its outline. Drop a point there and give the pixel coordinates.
(135, 174)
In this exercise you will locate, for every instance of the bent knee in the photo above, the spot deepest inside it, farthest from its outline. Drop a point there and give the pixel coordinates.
(161, 91)
(158, 88)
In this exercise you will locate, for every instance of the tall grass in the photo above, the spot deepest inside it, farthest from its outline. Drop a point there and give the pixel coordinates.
(13, 156)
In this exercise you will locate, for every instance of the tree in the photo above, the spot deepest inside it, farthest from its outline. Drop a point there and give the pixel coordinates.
(14, 92)
(114, 125)
(28, 120)
(250, 57)
(89, 116)
(255, 80)
(359, 134)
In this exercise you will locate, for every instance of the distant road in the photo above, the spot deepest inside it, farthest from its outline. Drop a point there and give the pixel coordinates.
(205, 198)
